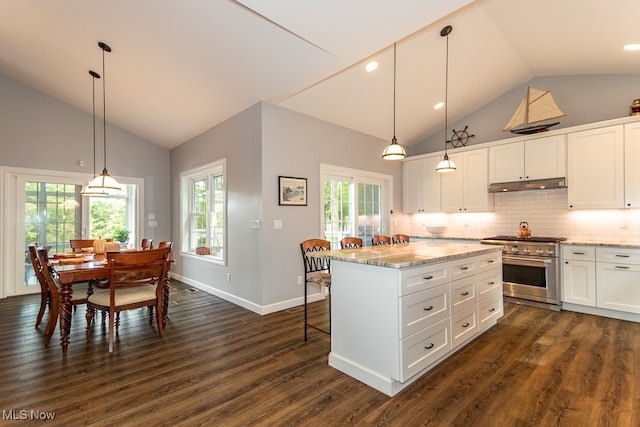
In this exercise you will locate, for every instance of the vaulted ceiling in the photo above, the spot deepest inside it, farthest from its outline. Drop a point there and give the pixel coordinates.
(179, 68)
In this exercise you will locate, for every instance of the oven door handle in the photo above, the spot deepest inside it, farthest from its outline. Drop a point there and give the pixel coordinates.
(526, 262)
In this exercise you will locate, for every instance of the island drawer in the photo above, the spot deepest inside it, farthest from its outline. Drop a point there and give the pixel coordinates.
(488, 282)
(422, 309)
(421, 278)
(424, 348)
(490, 309)
(464, 325)
(618, 255)
(489, 261)
(463, 294)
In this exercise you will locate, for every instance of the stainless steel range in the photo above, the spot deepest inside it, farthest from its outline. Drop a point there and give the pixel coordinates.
(530, 267)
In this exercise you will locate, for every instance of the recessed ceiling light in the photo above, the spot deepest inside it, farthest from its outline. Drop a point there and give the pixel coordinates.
(632, 46)
(438, 106)
(371, 65)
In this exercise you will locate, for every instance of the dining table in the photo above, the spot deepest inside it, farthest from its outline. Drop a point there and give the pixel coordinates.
(92, 267)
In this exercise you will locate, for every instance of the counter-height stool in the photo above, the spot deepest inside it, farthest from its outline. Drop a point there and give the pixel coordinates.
(316, 272)
(350, 243)
(380, 240)
(400, 238)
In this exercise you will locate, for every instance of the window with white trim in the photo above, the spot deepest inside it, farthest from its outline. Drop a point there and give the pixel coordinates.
(204, 206)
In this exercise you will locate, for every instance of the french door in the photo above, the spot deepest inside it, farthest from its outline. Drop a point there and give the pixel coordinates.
(355, 203)
(48, 208)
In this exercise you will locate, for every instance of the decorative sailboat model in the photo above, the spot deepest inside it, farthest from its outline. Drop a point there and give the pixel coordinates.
(536, 107)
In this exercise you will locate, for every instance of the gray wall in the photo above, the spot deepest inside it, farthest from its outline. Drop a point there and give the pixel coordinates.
(238, 140)
(40, 132)
(584, 99)
(260, 144)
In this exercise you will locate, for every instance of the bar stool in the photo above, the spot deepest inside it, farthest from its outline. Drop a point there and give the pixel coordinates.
(316, 272)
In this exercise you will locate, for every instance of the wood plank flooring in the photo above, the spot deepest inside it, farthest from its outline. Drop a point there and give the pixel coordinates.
(221, 365)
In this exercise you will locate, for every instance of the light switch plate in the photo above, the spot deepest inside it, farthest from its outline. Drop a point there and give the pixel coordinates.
(277, 224)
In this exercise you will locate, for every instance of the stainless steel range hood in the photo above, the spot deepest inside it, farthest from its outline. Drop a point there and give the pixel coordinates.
(538, 184)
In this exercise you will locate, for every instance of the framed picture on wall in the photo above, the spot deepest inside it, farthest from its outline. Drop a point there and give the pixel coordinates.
(292, 191)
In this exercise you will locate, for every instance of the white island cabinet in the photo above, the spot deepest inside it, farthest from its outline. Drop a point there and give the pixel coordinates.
(399, 310)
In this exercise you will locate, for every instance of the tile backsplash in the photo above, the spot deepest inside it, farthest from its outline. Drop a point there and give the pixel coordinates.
(546, 212)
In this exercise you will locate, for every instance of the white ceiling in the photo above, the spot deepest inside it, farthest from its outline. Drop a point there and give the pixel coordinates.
(180, 68)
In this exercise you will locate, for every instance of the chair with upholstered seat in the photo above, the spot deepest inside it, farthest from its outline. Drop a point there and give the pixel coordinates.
(380, 240)
(136, 279)
(316, 272)
(79, 296)
(399, 238)
(350, 243)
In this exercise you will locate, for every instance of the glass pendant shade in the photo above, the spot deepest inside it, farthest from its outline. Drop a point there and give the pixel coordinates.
(446, 165)
(104, 183)
(394, 151)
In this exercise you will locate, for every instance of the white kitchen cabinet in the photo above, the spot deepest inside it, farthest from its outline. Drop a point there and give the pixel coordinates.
(579, 275)
(618, 279)
(595, 168)
(421, 185)
(533, 159)
(465, 190)
(632, 165)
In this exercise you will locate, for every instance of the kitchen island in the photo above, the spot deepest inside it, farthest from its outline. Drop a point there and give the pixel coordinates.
(399, 310)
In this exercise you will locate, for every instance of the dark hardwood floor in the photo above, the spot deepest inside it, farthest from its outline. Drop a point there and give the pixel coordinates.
(221, 365)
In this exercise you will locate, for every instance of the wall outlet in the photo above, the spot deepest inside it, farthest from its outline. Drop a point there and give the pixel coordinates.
(228, 277)
(299, 280)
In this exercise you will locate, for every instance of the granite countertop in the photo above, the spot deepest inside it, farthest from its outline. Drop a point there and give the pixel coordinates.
(628, 245)
(408, 254)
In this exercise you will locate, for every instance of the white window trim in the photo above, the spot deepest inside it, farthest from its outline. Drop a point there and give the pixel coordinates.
(185, 201)
(10, 241)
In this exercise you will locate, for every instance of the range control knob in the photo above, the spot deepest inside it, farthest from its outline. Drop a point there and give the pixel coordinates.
(549, 252)
(515, 250)
(526, 251)
(540, 251)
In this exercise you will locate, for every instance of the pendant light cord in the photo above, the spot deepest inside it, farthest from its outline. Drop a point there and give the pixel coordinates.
(446, 95)
(104, 112)
(394, 92)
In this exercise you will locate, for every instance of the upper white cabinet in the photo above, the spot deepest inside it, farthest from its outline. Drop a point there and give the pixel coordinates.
(595, 172)
(632, 165)
(533, 159)
(465, 190)
(421, 185)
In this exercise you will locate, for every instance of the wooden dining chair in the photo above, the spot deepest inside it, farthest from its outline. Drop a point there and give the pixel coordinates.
(78, 297)
(399, 238)
(316, 272)
(350, 243)
(77, 245)
(45, 294)
(136, 279)
(146, 244)
(380, 240)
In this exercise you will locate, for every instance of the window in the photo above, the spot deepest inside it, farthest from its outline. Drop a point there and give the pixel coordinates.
(354, 203)
(204, 208)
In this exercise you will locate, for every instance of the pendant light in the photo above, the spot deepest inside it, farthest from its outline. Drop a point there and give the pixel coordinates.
(104, 181)
(86, 191)
(394, 151)
(445, 164)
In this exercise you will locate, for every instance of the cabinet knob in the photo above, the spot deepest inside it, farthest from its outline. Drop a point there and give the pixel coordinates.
(492, 309)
